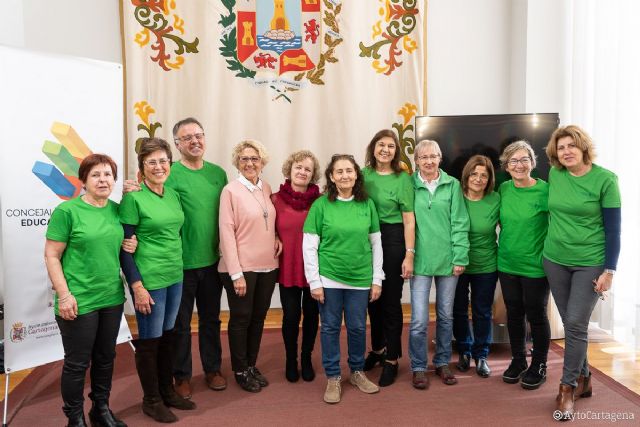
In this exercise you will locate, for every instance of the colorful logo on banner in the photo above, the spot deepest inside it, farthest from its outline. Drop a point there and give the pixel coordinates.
(280, 43)
(18, 332)
(154, 17)
(62, 176)
(400, 20)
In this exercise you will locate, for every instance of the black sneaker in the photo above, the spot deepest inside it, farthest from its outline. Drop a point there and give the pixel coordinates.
(515, 371)
(389, 374)
(374, 359)
(247, 382)
(535, 376)
(257, 375)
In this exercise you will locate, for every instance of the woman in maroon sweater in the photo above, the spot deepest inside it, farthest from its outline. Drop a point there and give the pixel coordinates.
(301, 171)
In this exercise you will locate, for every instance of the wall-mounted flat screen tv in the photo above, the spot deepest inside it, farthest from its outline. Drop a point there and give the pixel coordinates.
(460, 137)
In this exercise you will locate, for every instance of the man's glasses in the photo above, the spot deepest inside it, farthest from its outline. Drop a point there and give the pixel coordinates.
(432, 157)
(154, 163)
(190, 138)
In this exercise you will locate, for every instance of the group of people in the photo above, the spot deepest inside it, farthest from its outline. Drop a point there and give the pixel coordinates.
(183, 233)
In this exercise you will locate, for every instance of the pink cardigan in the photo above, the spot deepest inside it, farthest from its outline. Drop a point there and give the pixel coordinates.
(245, 243)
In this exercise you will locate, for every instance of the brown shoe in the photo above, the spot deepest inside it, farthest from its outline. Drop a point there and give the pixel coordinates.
(584, 387)
(564, 403)
(215, 381)
(420, 380)
(183, 388)
(447, 376)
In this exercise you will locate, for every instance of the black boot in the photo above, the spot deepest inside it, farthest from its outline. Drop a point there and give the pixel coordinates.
(291, 370)
(308, 374)
(77, 421)
(101, 416)
(147, 367)
(535, 376)
(165, 375)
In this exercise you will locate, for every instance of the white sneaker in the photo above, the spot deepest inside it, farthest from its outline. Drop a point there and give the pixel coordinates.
(333, 391)
(360, 380)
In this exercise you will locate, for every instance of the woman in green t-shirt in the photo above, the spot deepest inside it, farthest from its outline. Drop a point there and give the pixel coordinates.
(524, 219)
(81, 253)
(391, 189)
(343, 265)
(581, 250)
(480, 276)
(154, 275)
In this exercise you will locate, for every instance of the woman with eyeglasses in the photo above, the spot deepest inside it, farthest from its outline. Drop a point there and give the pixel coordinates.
(581, 251)
(154, 274)
(442, 245)
(343, 264)
(249, 262)
(391, 189)
(292, 202)
(524, 219)
(481, 275)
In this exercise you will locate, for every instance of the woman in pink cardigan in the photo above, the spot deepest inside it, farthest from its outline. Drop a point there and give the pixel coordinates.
(249, 262)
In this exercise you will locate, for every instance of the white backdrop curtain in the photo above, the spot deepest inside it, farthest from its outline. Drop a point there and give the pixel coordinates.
(605, 100)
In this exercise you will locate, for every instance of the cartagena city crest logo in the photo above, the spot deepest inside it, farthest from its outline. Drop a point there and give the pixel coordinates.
(18, 332)
(67, 154)
(282, 44)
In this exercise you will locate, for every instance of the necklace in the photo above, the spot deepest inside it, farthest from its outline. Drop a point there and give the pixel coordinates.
(265, 212)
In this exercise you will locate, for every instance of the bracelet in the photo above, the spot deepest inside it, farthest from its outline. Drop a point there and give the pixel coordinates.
(66, 297)
(413, 251)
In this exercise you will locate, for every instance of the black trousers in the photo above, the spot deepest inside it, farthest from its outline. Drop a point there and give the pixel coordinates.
(528, 297)
(292, 310)
(89, 340)
(385, 314)
(246, 316)
(204, 287)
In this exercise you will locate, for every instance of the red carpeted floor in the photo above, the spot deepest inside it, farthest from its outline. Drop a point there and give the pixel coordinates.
(473, 401)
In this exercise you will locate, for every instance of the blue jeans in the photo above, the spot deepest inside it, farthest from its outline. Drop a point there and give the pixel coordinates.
(445, 293)
(483, 287)
(353, 303)
(163, 312)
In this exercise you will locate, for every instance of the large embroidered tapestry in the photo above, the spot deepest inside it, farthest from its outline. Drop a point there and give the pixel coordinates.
(318, 74)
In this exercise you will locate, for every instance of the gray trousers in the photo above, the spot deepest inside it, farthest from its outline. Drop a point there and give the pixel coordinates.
(572, 289)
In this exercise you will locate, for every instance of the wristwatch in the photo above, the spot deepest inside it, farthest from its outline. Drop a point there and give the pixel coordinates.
(413, 251)
(609, 271)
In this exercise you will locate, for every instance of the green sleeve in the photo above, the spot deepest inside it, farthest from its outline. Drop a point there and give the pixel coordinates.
(313, 223)
(128, 210)
(375, 222)
(59, 227)
(459, 227)
(610, 197)
(407, 193)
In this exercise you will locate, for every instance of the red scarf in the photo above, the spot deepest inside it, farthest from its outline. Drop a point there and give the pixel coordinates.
(297, 200)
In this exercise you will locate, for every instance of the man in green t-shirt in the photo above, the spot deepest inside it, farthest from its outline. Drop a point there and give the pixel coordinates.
(199, 184)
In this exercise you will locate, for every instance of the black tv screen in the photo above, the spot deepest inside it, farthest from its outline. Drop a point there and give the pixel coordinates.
(461, 137)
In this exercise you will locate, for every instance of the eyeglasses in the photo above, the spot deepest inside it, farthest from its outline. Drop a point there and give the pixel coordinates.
(525, 161)
(432, 157)
(253, 159)
(342, 156)
(154, 163)
(480, 176)
(190, 138)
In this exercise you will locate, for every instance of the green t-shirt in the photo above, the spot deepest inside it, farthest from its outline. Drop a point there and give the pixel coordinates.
(200, 198)
(576, 229)
(524, 219)
(158, 220)
(344, 254)
(392, 194)
(90, 262)
(483, 249)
